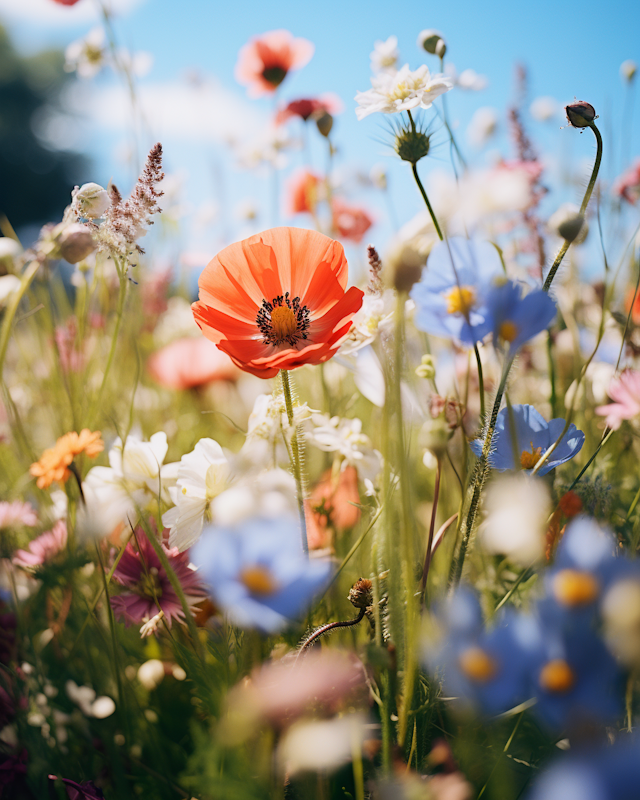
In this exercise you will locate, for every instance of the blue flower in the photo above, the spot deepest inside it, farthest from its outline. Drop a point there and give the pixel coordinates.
(516, 319)
(534, 436)
(258, 573)
(488, 669)
(605, 773)
(450, 296)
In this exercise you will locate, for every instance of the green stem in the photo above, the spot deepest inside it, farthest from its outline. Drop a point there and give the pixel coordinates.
(432, 525)
(114, 341)
(633, 505)
(553, 398)
(480, 380)
(296, 460)
(12, 307)
(583, 207)
(478, 479)
(414, 168)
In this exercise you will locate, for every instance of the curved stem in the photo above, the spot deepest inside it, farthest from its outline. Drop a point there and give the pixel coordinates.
(414, 168)
(583, 207)
(295, 456)
(330, 626)
(12, 307)
(478, 479)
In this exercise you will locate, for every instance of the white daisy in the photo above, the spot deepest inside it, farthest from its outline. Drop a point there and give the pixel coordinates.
(401, 91)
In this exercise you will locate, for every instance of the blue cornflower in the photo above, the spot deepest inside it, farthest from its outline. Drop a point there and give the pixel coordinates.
(575, 679)
(534, 436)
(487, 668)
(258, 572)
(516, 319)
(450, 296)
(604, 773)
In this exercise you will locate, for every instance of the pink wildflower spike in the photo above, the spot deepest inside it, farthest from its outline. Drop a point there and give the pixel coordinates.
(44, 548)
(147, 585)
(625, 390)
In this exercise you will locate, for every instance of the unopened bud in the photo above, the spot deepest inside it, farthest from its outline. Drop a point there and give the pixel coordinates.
(325, 123)
(412, 145)
(361, 593)
(628, 70)
(427, 368)
(432, 42)
(569, 223)
(91, 201)
(75, 242)
(580, 114)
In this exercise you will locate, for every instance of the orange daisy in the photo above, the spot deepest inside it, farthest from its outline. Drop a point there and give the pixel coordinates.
(54, 462)
(277, 300)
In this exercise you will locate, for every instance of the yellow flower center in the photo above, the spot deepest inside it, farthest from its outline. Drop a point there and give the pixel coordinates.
(258, 580)
(528, 460)
(283, 321)
(557, 676)
(460, 300)
(508, 330)
(477, 665)
(574, 588)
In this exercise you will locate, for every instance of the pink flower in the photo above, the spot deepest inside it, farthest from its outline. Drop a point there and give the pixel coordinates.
(17, 514)
(71, 358)
(148, 586)
(302, 192)
(44, 548)
(263, 63)
(625, 390)
(188, 363)
(305, 108)
(154, 293)
(351, 222)
(628, 184)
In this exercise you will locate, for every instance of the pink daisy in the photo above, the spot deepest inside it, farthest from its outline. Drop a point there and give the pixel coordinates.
(17, 514)
(148, 588)
(44, 548)
(625, 390)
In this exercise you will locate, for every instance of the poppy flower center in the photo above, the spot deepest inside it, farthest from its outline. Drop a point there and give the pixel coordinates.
(528, 460)
(477, 665)
(557, 676)
(274, 75)
(574, 588)
(283, 320)
(460, 300)
(508, 330)
(258, 580)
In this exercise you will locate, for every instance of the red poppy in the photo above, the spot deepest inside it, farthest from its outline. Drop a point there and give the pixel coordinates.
(66, 2)
(277, 300)
(351, 222)
(307, 107)
(263, 63)
(302, 192)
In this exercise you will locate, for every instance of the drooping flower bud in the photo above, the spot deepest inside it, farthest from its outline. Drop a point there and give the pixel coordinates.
(580, 114)
(75, 242)
(324, 123)
(91, 201)
(432, 42)
(361, 593)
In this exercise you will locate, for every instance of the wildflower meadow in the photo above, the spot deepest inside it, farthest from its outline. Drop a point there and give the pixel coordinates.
(343, 504)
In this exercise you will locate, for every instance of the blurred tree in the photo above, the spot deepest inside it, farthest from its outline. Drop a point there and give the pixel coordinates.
(35, 179)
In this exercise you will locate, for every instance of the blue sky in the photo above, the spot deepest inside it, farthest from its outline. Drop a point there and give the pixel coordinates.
(570, 49)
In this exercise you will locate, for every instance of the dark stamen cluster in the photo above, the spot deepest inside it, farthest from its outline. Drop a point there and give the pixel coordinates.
(301, 314)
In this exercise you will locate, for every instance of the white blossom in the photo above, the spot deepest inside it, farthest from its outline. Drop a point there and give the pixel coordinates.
(89, 55)
(374, 316)
(543, 109)
(384, 56)
(202, 475)
(91, 200)
(345, 436)
(401, 91)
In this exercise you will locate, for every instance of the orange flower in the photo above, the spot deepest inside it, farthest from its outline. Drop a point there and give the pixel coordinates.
(277, 300)
(54, 462)
(302, 192)
(189, 363)
(263, 63)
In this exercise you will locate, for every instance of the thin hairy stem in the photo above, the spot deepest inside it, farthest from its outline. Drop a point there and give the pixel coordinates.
(295, 457)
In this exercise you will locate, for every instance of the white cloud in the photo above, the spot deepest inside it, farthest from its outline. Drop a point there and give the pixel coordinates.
(203, 111)
(44, 13)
